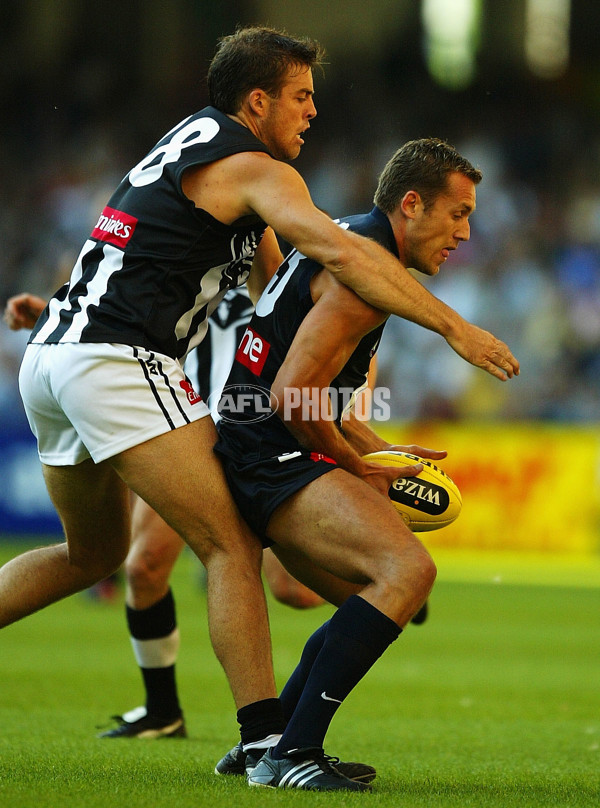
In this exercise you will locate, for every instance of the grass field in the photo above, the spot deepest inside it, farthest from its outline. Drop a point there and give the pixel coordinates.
(495, 701)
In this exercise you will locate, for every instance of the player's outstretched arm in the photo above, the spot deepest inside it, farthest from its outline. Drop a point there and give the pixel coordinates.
(254, 183)
(22, 311)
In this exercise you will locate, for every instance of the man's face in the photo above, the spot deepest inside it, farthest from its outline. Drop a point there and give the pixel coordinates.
(288, 115)
(432, 233)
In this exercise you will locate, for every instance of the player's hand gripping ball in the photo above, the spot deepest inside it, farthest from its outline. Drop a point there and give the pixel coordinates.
(426, 502)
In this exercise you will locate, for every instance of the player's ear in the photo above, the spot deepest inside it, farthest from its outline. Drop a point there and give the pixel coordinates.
(410, 204)
(257, 101)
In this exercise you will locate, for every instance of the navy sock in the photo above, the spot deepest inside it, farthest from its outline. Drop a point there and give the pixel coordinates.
(290, 695)
(161, 692)
(260, 719)
(158, 622)
(356, 637)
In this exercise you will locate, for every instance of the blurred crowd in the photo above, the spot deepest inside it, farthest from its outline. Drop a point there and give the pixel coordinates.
(530, 273)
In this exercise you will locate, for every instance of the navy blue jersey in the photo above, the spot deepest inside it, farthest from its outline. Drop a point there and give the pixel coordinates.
(247, 429)
(155, 266)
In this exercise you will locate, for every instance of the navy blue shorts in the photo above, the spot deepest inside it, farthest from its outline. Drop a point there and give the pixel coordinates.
(259, 487)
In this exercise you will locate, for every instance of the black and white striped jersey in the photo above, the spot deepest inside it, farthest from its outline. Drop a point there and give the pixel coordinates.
(208, 365)
(155, 266)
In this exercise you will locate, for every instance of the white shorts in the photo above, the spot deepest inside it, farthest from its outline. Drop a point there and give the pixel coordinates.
(95, 399)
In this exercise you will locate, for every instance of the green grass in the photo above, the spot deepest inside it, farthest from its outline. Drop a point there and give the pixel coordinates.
(493, 702)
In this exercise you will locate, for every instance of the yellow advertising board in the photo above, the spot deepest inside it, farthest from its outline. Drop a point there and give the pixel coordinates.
(524, 486)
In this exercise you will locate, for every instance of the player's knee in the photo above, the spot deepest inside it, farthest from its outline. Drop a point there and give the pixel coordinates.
(145, 571)
(410, 572)
(426, 571)
(237, 553)
(420, 564)
(99, 563)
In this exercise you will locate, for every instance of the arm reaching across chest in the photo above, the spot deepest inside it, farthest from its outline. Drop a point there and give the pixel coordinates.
(254, 183)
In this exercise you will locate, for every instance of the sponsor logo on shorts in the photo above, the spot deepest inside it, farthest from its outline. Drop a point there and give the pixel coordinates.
(243, 403)
(317, 456)
(253, 351)
(192, 396)
(115, 227)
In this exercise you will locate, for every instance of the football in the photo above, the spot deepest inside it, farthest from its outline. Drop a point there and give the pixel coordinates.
(428, 501)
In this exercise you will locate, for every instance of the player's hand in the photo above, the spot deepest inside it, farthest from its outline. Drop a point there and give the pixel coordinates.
(485, 351)
(419, 451)
(22, 311)
(381, 477)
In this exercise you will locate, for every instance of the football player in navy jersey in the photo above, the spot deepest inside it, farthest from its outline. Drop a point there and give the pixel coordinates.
(298, 476)
(101, 379)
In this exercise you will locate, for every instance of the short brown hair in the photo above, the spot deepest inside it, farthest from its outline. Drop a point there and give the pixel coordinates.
(423, 166)
(256, 57)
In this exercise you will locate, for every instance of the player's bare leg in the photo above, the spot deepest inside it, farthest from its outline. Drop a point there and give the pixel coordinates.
(155, 547)
(354, 533)
(151, 618)
(322, 584)
(285, 588)
(152, 622)
(178, 475)
(93, 504)
(328, 587)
